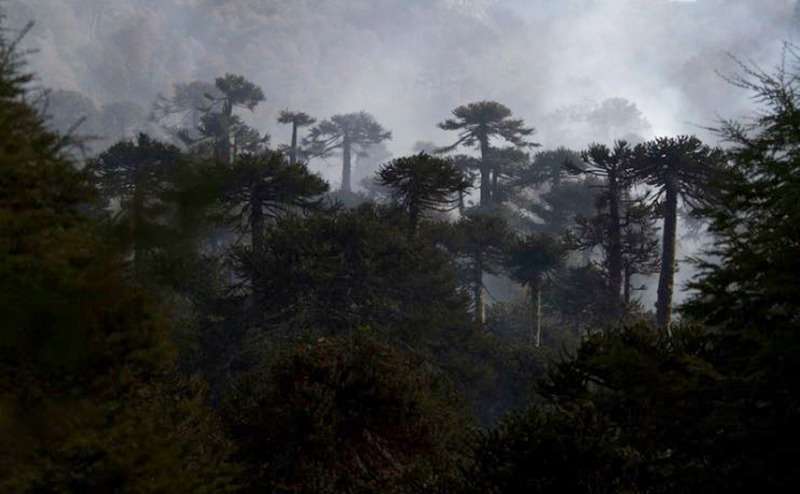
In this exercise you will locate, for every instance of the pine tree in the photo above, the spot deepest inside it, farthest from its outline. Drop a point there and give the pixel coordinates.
(348, 133)
(531, 261)
(219, 121)
(85, 405)
(262, 186)
(297, 120)
(138, 175)
(479, 123)
(479, 241)
(613, 168)
(677, 168)
(423, 183)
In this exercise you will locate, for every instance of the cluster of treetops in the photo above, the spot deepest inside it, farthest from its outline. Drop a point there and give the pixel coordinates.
(201, 313)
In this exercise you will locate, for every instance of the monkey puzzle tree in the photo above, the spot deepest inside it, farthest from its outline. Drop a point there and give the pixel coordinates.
(263, 185)
(676, 168)
(479, 123)
(297, 120)
(348, 132)
(234, 91)
(479, 241)
(467, 165)
(507, 164)
(639, 247)
(548, 167)
(532, 259)
(614, 169)
(423, 183)
(138, 174)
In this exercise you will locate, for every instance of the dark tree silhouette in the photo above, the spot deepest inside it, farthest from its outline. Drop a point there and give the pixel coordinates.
(639, 247)
(71, 320)
(297, 120)
(549, 167)
(234, 91)
(507, 164)
(423, 183)
(479, 123)
(138, 174)
(480, 240)
(349, 132)
(677, 168)
(468, 166)
(264, 185)
(558, 207)
(614, 169)
(532, 259)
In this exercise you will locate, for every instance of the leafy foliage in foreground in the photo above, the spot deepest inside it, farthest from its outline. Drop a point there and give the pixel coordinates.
(354, 415)
(85, 402)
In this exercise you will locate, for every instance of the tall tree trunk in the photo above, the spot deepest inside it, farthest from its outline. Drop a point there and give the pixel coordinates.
(346, 164)
(461, 206)
(293, 150)
(486, 179)
(223, 144)
(480, 308)
(536, 305)
(615, 244)
(667, 275)
(494, 186)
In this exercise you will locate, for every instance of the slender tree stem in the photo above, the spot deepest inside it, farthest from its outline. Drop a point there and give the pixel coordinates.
(346, 164)
(293, 151)
(667, 275)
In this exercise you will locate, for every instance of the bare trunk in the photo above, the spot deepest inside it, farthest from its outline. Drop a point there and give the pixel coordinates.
(615, 245)
(494, 194)
(346, 164)
(223, 145)
(293, 150)
(536, 303)
(486, 184)
(667, 275)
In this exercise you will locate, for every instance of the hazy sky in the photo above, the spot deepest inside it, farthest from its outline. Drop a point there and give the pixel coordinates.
(409, 62)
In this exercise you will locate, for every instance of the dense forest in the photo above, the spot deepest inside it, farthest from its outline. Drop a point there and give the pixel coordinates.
(189, 304)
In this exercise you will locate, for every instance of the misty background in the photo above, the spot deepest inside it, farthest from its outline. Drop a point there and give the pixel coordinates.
(580, 71)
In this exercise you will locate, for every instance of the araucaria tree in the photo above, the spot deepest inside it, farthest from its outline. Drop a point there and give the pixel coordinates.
(676, 168)
(480, 242)
(264, 185)
(137, 174)
(531, 261)
(613, 168)
(423, 183)
(297, 120)
(349, 132)
(479, 123)
(219, 121)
